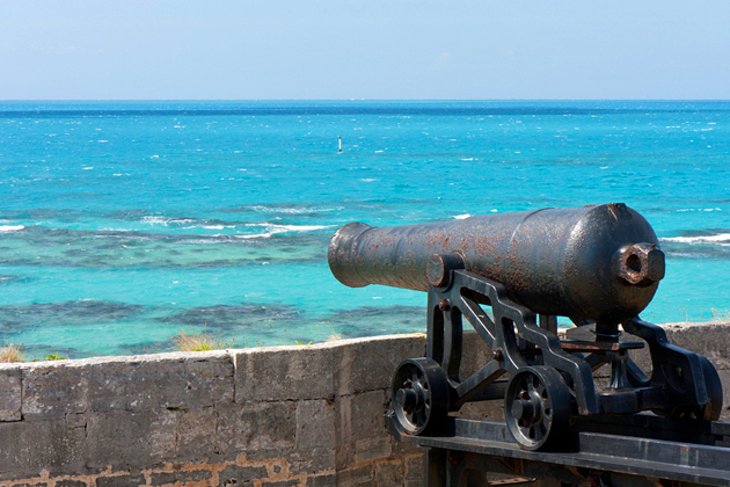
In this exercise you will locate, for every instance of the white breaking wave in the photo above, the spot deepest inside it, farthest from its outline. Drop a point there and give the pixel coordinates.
(185, 223)
(271, 229)
(294, 210)
(115, 230)
(166, 221)
(462, 216)
(722, 239)
(11, 228)
(685, 210)
(209, 227)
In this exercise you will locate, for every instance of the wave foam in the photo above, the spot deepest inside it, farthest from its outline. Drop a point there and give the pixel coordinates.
(167, 221)
(722, 239)
(185, 223)
(293, 210)
(708, 210)
(271, 229)
(11, 228)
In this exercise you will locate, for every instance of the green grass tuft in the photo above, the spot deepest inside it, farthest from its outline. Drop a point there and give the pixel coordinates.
(200, 343)
(55, 356)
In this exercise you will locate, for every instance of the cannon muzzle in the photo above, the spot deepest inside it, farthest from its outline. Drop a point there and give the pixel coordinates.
(596, 263)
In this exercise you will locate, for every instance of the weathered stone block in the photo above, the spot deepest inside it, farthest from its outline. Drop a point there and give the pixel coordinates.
(387, 474)
(10, 394)
(368, 410)
(401, 448)
(284, 373)
(266, 455)
(708, 339)
(136, 414)
(31, 446)
(172, 477)
(315, 424)
(235, 475)
(54, 390)
(356, 476)
(199, 438)
(71, 483)
(414, 468)
(361, 432)
(281, 483)
(327, 480)
(130, 440)
(121, 481)
(183, 381)
(366, 364)
(315, 436)
(260, 426)
(372, 449)
(475, 353)
(235, 483)
(75, 420)
(492, 410)
(313, 460)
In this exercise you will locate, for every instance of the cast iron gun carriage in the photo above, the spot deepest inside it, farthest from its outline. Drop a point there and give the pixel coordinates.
(511, 276)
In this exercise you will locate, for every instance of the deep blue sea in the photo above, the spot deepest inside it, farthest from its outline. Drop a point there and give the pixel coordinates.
(124, 223)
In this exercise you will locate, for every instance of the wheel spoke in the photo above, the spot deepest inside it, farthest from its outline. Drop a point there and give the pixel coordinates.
(537, 399)
(419, 397)
(540, 431)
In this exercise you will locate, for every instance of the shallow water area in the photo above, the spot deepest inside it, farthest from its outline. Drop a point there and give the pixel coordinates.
(125, 223)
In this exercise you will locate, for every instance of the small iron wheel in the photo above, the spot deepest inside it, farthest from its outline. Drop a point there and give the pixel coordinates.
(420, 396)
(710, 411)
(537, 408)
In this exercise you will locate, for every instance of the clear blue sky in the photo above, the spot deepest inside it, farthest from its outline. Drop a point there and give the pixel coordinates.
(325, 49)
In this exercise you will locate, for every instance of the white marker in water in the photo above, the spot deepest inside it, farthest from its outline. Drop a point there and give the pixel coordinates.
(339, 144)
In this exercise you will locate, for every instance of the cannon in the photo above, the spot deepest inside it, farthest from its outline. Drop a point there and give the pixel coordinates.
(511, 277)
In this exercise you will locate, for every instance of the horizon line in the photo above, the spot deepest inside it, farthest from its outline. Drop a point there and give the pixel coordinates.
(264, 100)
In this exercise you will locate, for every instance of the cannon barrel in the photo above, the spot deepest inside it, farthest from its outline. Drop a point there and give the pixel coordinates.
(596, 263)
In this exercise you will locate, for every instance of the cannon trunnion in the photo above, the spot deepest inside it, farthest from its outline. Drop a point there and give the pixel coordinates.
(509, 277)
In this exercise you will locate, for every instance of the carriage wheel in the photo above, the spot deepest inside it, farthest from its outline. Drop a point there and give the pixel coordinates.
(420, 396)
(537, 408)
(710, 411)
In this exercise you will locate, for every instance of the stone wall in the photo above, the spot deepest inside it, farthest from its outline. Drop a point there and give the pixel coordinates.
(287, 416)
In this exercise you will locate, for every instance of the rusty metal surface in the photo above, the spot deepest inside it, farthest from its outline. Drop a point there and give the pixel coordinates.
(508, 276)
(622, 460)
(596, 263)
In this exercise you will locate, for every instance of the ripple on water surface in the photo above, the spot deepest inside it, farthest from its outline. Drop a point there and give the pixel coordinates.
(130, 222)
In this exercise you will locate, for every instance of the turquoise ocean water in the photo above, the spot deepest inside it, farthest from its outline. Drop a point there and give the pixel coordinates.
(122, 224)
